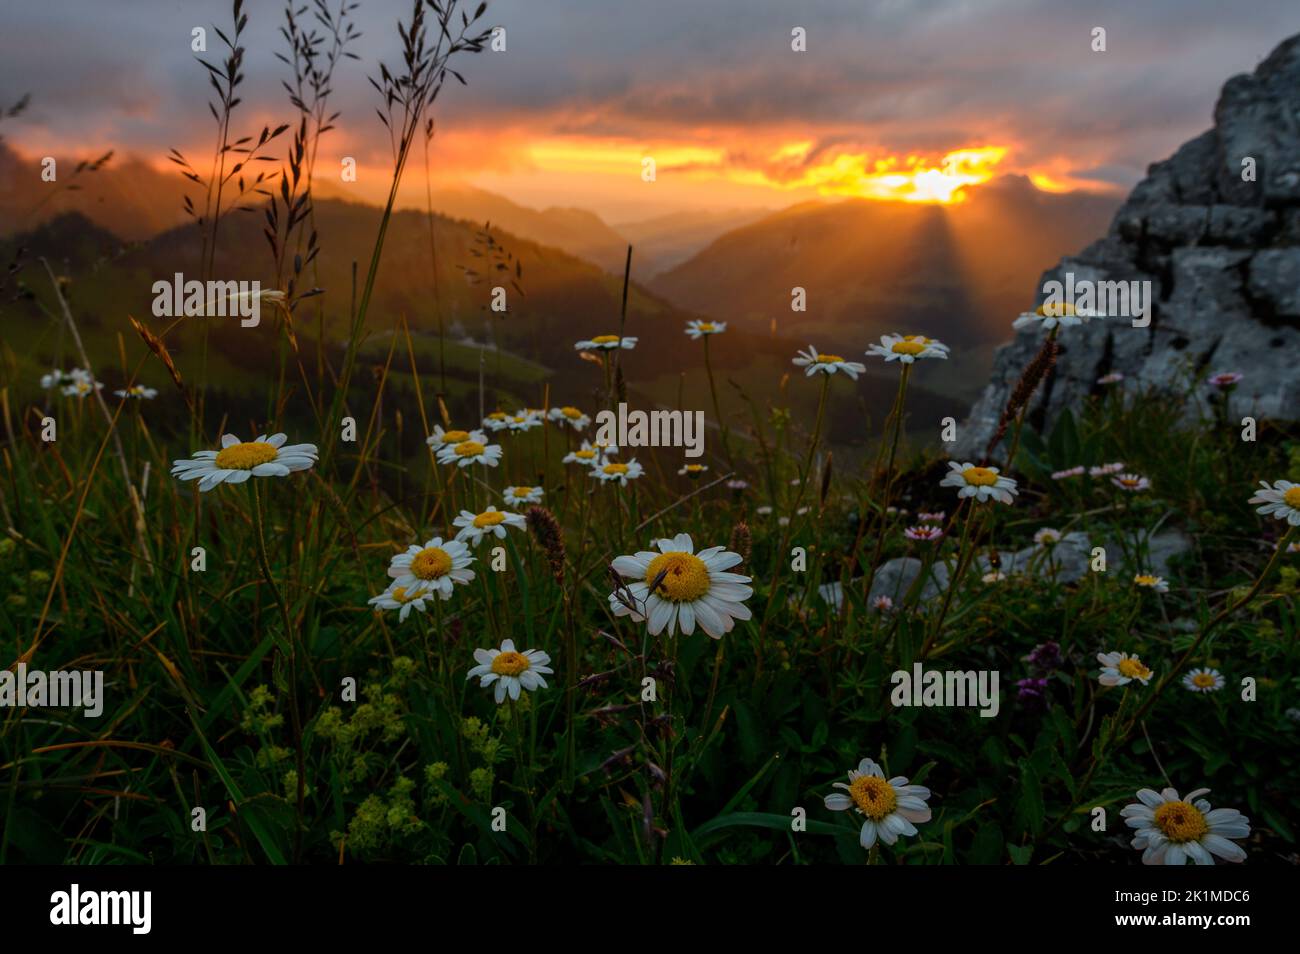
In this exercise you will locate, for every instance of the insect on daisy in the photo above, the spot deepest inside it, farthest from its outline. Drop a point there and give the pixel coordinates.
(470, 451)
(401, 599)
(827, 364)
(1133, 483)
(511, 670)
(891, 807)
(1119, 669)
(1204, 680)
(569, 415)
(518, 496)
(698, 329)
(982, 483)
(491, 522)
(619, 473)
(606, 343)
(924, 532)
(450, 438)
(907, 348)
(137, 392)
(1151, 582)
(1171, 829)
(693, 471)
(237, 461)
(436, 566)
(691, 588)
(1281, 501)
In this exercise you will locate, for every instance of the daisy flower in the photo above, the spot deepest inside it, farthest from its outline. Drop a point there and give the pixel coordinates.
(827, 364)
(695, 588)
(497, 421)
(569, 415)
(401, 599)
(622, 473)
(1281, 501)
(519, 496)
(1114, 377)
(523, 421)
(1204, 680)
(1131, 482)
(1047, 537)
(511, 670)
(737, 485)
(698, 329)
(470, 452)
(138, 392)
(442, 438)
(1156, 583)
(982, 483)
(491, 522)
(435, 567)
(606, 343)
(890, 806)
(1170, 829)
(1226, 380)
(882, 604)
(924, 532)
(993, 576)
(81, 387)
(590, 454)
(907, 348)
(1068, 473)
(1119, 669)
(1049, 315)
(236, 462)
(693, 470)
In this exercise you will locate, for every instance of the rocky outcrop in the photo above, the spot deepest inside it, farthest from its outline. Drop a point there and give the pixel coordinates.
(1215, 229)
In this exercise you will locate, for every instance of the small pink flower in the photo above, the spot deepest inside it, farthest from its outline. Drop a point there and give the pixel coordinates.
(1131, 482)
(1113, 378)
(936, 517)
(1068, 473)
(1105, 470)
(924, 532)
(883, 603)
(1225, 380)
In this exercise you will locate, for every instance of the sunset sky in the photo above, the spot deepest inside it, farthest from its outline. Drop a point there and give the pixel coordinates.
(709, 88)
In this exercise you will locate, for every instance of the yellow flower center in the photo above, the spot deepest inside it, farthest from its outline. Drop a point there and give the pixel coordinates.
(1203, 680)
(497, 416)
(829, 359)
(1055, 309)
(431, 563)
(572, 413)
(686, 578)
(509, 664)
(1143, 579)
(615, 468)
(908, 347)
(705, 326)
(980, 476)
(246, 456)
(522, 491)
(1132, 668)
(694, 468)
(1181, 822)
(604, 339)
(469, 449)
(585, 454)
(489, 519)
(454, 437)
(1292, 498)
(399, 594)
(874, 796)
